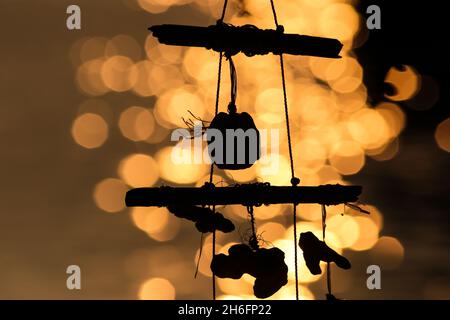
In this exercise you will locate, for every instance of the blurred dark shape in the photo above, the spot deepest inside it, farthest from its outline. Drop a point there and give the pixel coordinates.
(357, 208)
(427, 96)
(205, 219)
(247, 39)
(389, 89)
(244, 194)
(266, 265)
(331, 297)
(245, 142)
(315, 251)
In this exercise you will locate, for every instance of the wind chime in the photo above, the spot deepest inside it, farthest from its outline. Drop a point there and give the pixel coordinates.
(199, 204)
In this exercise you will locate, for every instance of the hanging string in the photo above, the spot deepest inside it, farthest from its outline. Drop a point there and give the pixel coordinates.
(294, 180)
(211, 172)
(253, 241)
(324, 226)
(274, 13)
(199, 255)
(224, 10)
(233, 76)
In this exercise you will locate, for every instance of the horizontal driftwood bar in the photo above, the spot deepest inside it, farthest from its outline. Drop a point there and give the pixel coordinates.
(249, 40)
(249, 194)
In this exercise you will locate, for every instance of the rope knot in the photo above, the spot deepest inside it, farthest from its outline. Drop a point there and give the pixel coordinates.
(280, 28)
(295, 181)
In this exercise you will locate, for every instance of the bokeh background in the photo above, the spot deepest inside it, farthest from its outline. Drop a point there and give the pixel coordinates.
(87, 115)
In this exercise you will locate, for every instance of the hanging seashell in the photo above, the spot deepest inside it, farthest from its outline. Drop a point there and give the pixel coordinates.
(205, 219)
(266, 265)
(315, 251)
(233, 140)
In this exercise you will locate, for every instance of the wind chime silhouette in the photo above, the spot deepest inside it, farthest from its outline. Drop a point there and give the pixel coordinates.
(199, 204)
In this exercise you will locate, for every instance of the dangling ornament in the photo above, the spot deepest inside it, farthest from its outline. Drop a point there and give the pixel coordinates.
(233, 139)
(239, 146)
(315, 251)
(266, 265)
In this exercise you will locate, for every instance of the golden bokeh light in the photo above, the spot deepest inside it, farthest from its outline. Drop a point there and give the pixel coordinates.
(176, 104)
(387, 152)
(93, 48)
(235, 286)
(394, 116)
(169, 233)
(269, 212)
(205, 260)
(369, 128)
(90, 130)
(173, 170)
(345, 228)
(347, 158)
(274, 169)
(288, 293)
(89, 79)
(240, 176)
(109, 194)
(271, 231)
(136, 123)
(158, 223)
(144, 86)
(150, 220)
(442, 135)
(311, 155)
(123, 45)
(368, 234)
(405, 82)
(310, 211)
(338, 20)
(157, 289)
(303, 273)
(154, 6)
(139, 170)
(119, 73)
(388, 253)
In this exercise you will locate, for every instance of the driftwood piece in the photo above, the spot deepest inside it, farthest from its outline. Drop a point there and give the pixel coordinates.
(247, 39)
(246, 194)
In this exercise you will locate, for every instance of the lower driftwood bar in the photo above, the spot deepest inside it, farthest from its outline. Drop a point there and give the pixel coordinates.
(247, 195)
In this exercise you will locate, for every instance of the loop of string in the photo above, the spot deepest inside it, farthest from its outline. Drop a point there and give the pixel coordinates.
(324, 226)
(294, 180)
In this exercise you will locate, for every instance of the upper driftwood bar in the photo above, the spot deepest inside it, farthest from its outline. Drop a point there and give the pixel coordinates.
(246, 194)
(247, 39)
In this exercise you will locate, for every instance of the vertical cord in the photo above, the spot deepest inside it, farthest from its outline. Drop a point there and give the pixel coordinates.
(224, 10)
(253, 242)
(294, 181)
(211, 173)
(274, 13)
(324, 226)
